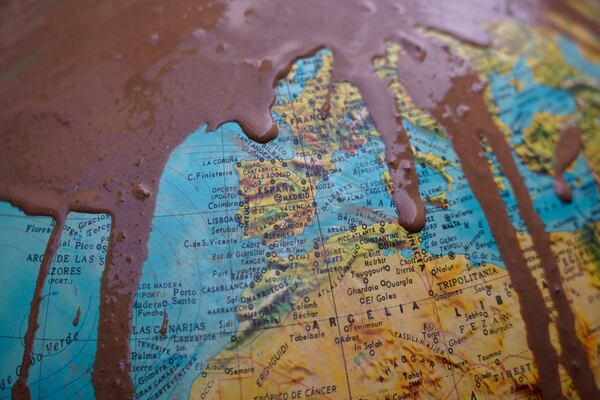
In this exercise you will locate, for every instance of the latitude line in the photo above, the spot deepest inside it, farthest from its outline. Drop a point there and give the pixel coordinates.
(360, 313)
(255, 207)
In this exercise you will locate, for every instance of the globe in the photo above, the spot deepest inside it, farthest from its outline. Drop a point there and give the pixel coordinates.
(279, 270)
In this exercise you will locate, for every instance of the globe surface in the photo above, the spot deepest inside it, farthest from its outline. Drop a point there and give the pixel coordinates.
(279, 271)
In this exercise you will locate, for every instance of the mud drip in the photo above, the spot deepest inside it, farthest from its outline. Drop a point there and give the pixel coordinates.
(566, 151)
(20, 389)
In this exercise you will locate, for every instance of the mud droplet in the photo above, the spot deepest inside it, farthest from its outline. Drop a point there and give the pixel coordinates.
(220, 48)
(462, 110)
(266, 65)
(165, 324)
(140, 191)
(405, 165)
(478, 86)
(199, 33)
(557, 289)
(77, 315)
(120, 236)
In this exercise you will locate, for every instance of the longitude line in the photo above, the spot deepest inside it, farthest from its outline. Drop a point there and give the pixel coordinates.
(322, 245)
(237, 348)
(437, 314)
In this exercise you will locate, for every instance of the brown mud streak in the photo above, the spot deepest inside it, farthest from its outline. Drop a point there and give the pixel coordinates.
(20, 389)
(464, 132)
(126, 254)
(460, 108)
(398, 154)
(572, 354)
(95, 95)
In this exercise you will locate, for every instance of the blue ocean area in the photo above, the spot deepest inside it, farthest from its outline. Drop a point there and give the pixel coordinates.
(518, 106)
(517, 109)
(575, 57)
(358, 205)
(305, 69)
(22, 236)
(68, 321)
(65, 341)
(198, 194)
(461, 227)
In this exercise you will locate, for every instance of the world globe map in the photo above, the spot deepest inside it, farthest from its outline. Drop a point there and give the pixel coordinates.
(279, 271)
